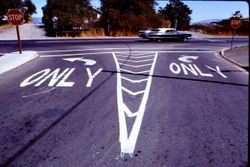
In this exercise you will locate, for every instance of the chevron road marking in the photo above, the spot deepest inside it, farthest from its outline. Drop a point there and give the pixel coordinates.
(139, 57)
(134, 72)
(128, 112)
(128, 140)
(141, 53)
(135, 61)
(136, 66)
(134, 81)
(131, 92)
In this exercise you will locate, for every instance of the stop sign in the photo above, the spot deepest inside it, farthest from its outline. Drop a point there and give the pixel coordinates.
(15, 16)
(235, 22)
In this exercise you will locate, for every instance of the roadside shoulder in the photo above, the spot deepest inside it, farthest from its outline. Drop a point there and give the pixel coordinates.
(11, 61)
(237, 55)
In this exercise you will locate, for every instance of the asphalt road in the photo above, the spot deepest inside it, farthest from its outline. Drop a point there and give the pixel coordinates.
(124, 102)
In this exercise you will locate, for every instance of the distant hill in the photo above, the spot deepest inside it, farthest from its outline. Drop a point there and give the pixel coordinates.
(37, 20)
(208, 21)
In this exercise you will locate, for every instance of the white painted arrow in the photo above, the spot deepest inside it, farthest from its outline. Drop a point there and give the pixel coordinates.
(88, 62)
(184, 58)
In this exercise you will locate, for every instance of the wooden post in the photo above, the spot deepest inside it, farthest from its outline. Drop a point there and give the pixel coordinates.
(19, 40)
(232, 39)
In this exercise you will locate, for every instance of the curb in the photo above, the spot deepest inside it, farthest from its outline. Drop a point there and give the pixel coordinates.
(11, 61)
(222, 53)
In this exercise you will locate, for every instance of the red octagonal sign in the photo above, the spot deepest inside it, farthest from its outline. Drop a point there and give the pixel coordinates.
(235, 22)
(15, 16)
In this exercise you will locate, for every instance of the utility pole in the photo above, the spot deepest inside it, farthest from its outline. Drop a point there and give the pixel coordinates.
(107, 29)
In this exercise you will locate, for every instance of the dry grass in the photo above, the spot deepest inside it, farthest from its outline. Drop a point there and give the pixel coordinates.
(99, 32)
(122, 33)
(228, 33)
(92, 32)
(5, 26)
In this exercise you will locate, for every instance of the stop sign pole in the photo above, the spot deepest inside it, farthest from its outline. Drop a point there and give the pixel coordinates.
(19, 39)
(15, 17)
(235, 23)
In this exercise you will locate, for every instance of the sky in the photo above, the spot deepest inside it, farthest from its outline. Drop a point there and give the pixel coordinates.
(202, 10)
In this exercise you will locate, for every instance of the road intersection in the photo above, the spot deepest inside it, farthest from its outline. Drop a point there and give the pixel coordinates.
(124, 103)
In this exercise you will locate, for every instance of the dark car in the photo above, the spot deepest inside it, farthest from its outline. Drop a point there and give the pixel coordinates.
(164, 34)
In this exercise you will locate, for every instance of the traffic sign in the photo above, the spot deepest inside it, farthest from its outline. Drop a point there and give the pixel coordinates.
(235, 22)
(15, 16)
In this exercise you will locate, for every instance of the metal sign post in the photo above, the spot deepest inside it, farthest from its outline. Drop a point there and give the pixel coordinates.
(15, 17)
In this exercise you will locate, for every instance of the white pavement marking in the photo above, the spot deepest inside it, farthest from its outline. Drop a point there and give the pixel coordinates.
(134, 72)
(128, 142)
(91, 76)
(139, 54)
(135, 61)
(139, 57)
(135, 66)
(128, 112)
(44, 75)
(186, 59)
(217, 70)
(75, 54)
(88, 62)
(131, 92)
(134, 81)
(110, 52)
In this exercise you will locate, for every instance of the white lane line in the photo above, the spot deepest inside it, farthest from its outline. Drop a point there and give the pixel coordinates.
(135, 66)
(110, 52)
(81, 50)
(135, 61)
(135, 72)
(134, 81)
(131, 92)
(75, 54)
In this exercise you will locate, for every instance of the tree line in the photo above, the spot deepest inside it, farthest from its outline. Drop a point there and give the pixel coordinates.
(116, 15)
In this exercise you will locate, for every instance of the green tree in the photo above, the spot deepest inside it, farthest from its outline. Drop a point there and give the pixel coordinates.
(8, 4)
(178, 13)
(68, 12)
(128, 15)
(30, 9)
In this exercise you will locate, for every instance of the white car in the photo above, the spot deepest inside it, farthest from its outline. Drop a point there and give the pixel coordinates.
(164, 34)
(144, 33)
